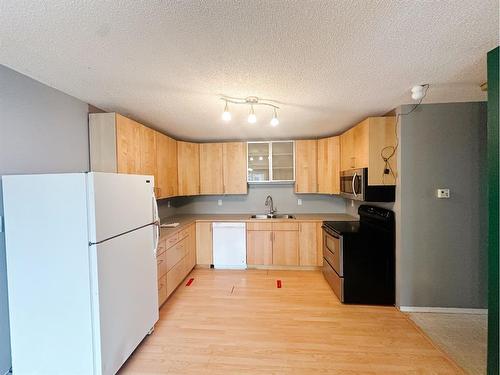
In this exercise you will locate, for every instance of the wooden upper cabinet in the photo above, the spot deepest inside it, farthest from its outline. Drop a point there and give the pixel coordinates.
(361, 147)
(166, 164)
(306, 166)
(148, 152)
(329, 165)
(128, 145)
(234, 162)
(188, 168)
(361, 144)
(211, 180)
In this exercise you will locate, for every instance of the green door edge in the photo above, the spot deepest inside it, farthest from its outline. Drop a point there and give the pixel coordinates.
(493, 208)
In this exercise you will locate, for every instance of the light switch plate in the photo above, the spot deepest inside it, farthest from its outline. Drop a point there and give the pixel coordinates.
(443, 193)
(299, 202)
(219, 202)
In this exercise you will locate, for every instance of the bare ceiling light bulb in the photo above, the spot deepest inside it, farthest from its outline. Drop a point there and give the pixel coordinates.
(274, 120)
(226, 115)
(252, 119)
(417, 92)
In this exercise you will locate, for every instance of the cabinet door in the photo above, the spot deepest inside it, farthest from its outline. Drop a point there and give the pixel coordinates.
(148, 153)
(211, 168)
(329, 165)
(308, 244)
(191, 257)
(166, 165)
(204, 244)
(285, 248)
(234, 163)
(361, 134)
(306, 166)
(259, 247)
(347, 159)
(128, 145)
(188, 168)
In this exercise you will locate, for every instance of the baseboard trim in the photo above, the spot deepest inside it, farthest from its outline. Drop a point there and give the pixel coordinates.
(444, 310)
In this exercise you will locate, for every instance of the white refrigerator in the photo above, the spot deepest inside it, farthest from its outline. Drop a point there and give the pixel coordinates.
(81, 270)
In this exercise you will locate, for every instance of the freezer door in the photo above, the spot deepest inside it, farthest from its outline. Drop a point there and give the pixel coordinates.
(119, 203)
(125, 294)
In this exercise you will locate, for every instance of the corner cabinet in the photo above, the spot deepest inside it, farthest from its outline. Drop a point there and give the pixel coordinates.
(362, 147)
(272, 161)
(121, 145)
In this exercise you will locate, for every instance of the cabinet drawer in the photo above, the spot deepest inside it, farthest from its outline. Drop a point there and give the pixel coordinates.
(183, 234)
(162, 290)
(161, 247)
(161, 264)
(171, 240)
(286, 226)
(335, 281)
(259, 226)
(176, 253)
(175, 276)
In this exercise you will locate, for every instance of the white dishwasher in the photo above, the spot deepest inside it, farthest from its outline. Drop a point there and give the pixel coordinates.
(229, 245)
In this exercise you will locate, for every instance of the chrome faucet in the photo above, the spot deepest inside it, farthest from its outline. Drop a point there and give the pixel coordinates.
(269, 202)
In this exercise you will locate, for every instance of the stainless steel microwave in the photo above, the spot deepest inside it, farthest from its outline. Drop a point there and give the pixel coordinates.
(354, 185)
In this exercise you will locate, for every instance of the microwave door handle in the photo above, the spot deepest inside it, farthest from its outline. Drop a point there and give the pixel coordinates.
(353, 186)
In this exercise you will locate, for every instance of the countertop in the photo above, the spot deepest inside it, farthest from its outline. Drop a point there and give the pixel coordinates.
(185, 220)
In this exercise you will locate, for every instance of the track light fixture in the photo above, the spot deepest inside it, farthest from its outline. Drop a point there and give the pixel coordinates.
(251, 101)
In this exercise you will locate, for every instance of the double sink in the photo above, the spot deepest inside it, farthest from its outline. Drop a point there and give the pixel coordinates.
(271, 216)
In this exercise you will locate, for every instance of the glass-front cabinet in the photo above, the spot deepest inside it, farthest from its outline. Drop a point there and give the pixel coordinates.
(271, 161)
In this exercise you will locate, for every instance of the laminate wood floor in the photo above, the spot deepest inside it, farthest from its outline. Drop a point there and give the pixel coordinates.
(239, 322)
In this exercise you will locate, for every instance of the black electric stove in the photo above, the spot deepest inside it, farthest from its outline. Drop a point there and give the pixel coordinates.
(359, 257)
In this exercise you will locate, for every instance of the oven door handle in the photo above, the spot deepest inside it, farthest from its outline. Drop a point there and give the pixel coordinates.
(353, 185)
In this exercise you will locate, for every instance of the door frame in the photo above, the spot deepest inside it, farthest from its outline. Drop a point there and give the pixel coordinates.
(493, 208)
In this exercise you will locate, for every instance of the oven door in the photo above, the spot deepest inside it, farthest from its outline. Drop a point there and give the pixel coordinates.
(332, 251)
(352, 184)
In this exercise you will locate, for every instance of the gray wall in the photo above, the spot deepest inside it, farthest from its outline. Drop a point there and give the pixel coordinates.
(441, 243)
(42, 130)
(285, 200)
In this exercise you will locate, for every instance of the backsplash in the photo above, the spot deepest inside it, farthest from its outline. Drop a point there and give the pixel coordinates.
(284, 197)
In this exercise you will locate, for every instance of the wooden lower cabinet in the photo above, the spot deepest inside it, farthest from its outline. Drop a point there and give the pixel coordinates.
(175, 259)
(273, 244)
(259, 247)
(285, 248)
(204, 254)
(310, 248)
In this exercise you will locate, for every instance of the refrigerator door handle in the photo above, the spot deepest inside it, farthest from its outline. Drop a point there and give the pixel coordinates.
(156, 223)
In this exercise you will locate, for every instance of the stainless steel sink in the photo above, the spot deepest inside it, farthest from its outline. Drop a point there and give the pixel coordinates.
(268, 216)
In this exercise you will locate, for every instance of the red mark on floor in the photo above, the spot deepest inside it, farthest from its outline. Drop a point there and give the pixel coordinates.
(189, 282)
(278, 283)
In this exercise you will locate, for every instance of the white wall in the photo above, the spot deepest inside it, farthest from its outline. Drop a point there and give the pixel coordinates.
(42, 130)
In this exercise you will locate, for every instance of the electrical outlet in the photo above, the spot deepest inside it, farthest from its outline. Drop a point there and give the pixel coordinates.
(219, 202)
(299, 202)
(443, 193)
(168, 204)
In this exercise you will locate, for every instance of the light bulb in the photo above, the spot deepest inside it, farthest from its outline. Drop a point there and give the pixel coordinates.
(274, 120)
(252, 119)
(226, 115)
(261, 158)
(251, 158)
(417, 92)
